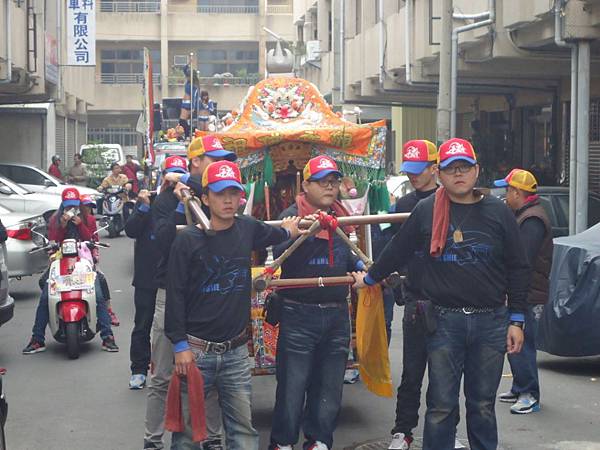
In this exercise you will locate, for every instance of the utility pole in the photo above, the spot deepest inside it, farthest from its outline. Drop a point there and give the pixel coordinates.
(443, 108)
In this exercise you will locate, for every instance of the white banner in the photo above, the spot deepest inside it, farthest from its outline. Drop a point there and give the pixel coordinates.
(81, 32)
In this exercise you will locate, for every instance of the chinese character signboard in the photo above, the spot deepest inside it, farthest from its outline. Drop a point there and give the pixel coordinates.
(81, 32)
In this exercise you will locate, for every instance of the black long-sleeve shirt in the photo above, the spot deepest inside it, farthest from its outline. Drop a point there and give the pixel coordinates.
(482, 271)
(165, 219)
(146, 251)
(209, 279)
(311, 260)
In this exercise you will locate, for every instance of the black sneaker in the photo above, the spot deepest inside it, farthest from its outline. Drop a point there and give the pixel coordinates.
(109, 345)
(34, 346)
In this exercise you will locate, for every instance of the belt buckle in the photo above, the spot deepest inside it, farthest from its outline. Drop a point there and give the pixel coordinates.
(468, 311)
(219, 347)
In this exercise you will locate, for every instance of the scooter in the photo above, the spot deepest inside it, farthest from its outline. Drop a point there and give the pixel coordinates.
(72, 293)
(112, 208)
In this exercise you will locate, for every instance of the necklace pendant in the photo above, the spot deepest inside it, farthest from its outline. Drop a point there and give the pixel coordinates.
(457, 236)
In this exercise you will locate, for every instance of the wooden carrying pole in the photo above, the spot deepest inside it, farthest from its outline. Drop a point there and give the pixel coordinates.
(196, 210)
(348, 220)
(354, 220)
(283, 283)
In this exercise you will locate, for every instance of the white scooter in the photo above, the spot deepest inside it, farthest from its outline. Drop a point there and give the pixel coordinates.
(72, 293)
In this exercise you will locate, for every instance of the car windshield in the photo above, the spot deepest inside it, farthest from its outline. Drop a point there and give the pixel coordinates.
(100, 155)
(17, 188)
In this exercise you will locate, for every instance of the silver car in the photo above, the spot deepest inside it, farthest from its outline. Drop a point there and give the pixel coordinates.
(19, 199)
(36, 180)
(20, 227)
(7, 303)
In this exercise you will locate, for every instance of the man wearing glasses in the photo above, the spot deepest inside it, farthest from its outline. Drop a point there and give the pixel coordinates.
(314, 332)
(475, 273)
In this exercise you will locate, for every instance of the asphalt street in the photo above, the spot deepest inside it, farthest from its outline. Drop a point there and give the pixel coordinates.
(59, 404)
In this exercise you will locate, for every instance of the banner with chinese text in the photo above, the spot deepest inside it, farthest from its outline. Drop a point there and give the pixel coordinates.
(81, 32)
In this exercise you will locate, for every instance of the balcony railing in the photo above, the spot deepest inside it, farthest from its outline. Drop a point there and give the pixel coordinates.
(129, 7)
(216, 7)
(127, 78)
(280, 9)
(175, 80)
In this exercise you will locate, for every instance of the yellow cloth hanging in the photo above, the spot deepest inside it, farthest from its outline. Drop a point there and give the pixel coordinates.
(371, 342)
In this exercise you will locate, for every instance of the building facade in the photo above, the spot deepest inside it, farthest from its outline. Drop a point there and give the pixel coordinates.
(226, 38)
(43, 102)
(513, 77)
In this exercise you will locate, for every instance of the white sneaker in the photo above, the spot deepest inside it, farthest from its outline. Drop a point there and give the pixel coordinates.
(284, 447)
(400, 442)
(525, 405)
(458, 444)
(318, 445)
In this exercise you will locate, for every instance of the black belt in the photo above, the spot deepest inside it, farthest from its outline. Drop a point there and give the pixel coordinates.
(218, 347)
(467, 309)
(320, 305)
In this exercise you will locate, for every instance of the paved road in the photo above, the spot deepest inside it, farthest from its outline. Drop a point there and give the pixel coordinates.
(58, 404)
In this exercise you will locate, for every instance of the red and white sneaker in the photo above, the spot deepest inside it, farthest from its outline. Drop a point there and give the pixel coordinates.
(318, 445)
(400, 442)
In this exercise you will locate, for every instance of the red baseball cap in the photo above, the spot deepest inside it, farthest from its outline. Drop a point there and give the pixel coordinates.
(175, 164)
(87, 200)
(319, 167)
(456, 149)
(417, 155)
(221, 175)
(70, 197)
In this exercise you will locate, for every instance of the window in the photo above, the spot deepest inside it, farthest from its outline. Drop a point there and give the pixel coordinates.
(127, 61)
(240, 62)
(23, 175)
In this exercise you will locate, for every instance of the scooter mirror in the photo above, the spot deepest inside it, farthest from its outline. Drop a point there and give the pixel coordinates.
(104, 222)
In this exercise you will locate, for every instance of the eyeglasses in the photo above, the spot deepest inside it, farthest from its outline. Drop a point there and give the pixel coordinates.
(333, 182)
(460, 168)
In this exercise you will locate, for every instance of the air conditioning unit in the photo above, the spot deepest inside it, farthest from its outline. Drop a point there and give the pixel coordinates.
(180, 60)
(313, 50)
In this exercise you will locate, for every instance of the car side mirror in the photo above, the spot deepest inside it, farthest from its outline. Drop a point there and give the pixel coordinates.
(48, 183)
(5, 190)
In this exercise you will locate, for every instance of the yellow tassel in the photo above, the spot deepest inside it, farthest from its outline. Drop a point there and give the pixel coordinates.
(371, 342)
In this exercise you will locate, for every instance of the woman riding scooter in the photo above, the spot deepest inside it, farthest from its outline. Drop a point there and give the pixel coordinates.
(67, 223)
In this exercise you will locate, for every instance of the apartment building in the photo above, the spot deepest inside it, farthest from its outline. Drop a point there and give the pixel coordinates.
(513, 72)
(226, 38)
(43, 103)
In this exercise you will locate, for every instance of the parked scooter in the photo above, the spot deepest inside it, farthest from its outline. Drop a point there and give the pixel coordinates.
(72, 292)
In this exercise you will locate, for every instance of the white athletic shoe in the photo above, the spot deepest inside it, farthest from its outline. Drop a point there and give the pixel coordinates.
(400, 442)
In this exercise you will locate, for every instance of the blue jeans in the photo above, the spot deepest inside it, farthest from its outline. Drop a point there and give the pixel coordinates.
(42, 314)
(312, 352)
(473, 345)
(229, 374)
(524, 364)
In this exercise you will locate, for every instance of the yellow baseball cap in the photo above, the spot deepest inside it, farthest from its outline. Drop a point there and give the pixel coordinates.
(210, 146)
(520, 179)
